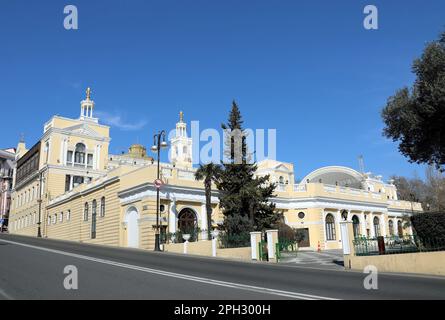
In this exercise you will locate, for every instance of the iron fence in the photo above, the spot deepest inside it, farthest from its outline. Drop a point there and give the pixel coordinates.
(396, 245)
(287, 245)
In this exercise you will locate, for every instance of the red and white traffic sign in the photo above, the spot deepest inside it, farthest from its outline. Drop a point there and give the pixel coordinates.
(158, 183)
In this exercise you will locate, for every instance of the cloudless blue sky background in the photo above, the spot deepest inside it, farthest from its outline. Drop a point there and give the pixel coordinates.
(307, 68)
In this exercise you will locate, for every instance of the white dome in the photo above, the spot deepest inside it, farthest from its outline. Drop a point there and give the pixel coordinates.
(336, 175)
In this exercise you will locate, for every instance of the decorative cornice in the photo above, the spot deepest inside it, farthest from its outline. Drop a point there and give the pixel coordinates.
(172, 193)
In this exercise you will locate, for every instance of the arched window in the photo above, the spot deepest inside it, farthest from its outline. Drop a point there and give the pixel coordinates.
(102, 207)
(391, 227)
(85, 212)
(377, 226)
(187, 223)
(330, 227)
(400, 228)
(79, 154)
(281, 179)
(356, 226)
(93, 219)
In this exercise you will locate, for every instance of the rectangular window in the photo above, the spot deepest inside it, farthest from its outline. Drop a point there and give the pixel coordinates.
(69, 158)
(68, 215)
(90, 160)
(61, 217)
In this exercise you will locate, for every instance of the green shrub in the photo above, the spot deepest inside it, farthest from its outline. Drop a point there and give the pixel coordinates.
(429, 225)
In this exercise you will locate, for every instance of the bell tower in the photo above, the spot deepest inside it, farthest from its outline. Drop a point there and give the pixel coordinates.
(87, 107)
(181, 145)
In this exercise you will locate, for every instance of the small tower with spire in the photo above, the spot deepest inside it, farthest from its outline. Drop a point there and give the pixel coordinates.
(87, 107)
(181, 145)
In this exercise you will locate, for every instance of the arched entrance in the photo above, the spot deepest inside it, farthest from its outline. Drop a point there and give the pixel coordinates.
(356, 226)
(391, 227)
(131, 220)
(376, 222)
(187, 222)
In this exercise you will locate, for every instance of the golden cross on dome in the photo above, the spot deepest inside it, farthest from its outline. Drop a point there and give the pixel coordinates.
(181, 116)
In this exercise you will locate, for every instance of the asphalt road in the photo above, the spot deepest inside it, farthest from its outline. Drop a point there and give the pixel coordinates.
(32, 268)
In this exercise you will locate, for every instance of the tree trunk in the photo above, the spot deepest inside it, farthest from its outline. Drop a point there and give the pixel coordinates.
(208, 191)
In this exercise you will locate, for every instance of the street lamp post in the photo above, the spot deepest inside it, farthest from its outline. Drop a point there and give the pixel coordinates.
(39, 223)
(157, 145)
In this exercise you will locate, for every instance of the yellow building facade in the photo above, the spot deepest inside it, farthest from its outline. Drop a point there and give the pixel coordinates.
(71, 188)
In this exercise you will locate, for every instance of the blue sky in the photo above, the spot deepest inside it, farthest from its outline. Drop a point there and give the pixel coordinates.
(306, 68)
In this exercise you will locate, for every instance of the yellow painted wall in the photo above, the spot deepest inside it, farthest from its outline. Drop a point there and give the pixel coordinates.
(432, 263)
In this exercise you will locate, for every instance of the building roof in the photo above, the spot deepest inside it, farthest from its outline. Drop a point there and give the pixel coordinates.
(336, 175)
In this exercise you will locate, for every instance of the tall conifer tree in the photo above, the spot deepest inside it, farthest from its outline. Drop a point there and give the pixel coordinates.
(244, 198)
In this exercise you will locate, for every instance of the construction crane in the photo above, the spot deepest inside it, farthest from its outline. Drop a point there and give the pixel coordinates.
(361, 164)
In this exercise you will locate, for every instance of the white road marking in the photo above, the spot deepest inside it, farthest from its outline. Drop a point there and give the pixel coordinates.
(289, 294)
(5, 295)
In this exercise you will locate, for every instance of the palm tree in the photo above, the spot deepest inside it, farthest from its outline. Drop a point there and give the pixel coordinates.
(209, 173)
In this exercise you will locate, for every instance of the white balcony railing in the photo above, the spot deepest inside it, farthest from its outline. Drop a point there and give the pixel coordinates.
(300, 188)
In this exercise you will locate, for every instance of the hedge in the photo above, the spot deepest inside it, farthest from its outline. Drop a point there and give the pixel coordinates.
(429, 225)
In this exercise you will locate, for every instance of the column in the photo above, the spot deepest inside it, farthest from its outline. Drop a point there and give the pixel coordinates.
(99, 151)
(204, 232)
(363, 223)
(371, 219)
(338, 220)
(172, 220)
(384, 223)
(96, 147)
(347, 233)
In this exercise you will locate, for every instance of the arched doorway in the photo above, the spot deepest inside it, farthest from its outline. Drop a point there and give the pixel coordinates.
(376, 226)
(187, 222)
(356, 226)
(131, 220)
(391, 227)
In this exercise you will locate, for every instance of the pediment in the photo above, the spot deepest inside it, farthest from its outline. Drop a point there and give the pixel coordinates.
(282, 168)
(83, 129)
